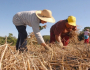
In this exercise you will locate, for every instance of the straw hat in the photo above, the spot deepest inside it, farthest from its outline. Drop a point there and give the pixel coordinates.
(71, 20)
(45, 15)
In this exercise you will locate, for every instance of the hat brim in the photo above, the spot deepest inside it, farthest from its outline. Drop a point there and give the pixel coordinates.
(38, 14)
(72, 23)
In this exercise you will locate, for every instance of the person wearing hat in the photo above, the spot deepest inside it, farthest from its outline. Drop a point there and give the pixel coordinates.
(59, 32)
(33, 19)
(86, 36)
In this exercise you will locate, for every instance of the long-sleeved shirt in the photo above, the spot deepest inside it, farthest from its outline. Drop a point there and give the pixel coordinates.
(29, 18)
(60, 27)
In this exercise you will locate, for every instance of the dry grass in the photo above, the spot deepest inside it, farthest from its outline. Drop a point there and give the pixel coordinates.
(74, 57)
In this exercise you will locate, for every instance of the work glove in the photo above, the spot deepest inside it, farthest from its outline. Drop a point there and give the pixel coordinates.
(60, 44)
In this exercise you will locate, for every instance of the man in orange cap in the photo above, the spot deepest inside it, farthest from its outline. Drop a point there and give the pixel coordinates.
(60, 31)
(33, 19)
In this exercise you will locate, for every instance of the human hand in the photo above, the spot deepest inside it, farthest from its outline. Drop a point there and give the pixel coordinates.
(45, 26)
(47, 48)
(60, 44)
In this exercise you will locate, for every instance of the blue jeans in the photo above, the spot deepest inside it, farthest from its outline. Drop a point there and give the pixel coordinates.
(22, 35)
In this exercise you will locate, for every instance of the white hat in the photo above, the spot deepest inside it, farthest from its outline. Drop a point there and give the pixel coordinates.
(45, 15)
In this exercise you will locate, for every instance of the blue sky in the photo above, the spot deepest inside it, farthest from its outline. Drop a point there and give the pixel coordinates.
(61, 9)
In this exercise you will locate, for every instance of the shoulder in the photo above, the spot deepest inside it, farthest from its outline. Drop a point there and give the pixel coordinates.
(33, 11)
(30, 12)
(60, 24)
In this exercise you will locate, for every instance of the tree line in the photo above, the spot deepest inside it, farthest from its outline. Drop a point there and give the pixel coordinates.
(10, 39)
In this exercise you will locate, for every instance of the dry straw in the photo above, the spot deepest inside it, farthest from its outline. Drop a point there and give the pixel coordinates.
(74, 57)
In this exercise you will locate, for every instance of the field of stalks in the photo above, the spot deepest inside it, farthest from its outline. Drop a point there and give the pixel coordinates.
(76, 56)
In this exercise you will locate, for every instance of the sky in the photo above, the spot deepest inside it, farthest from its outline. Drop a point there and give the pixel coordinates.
(61, 9)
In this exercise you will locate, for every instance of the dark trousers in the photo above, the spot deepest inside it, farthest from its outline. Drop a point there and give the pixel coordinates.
(22, 35)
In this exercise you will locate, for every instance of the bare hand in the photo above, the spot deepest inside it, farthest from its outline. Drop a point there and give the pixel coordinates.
(45, 26)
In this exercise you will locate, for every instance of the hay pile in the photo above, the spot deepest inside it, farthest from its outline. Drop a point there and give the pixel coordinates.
(73, 35)
(74, 57)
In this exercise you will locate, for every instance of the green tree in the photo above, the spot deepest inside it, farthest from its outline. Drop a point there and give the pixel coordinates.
(11, 39)
(86, 28)
(2, 40)
(46, 38)
(81, 36)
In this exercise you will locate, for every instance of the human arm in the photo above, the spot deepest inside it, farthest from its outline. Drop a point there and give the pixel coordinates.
(36, 30)
(40, 40)
(58, 33)
(58, 39)
(88, 33)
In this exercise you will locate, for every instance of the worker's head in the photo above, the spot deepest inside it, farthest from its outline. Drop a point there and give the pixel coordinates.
(71, 23)
(45, 16)
(87, 29)
(41, 21)
(71, 20)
